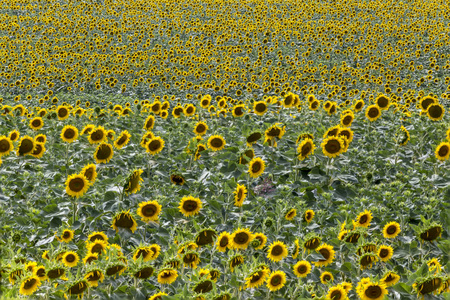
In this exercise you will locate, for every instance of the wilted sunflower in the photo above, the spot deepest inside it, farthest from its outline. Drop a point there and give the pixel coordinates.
(430, 232)
(56, 272)
(223, 241)
(241, 238)
(332, 146)
(363, 219)
(167, 276)
(277, 251)
(256, 167)
(36, 123)
(260, 107)
(122, 140)
(76, 185)
(276, 280)
(190, 206)
(90, 172)
(367, 260)
(434, 265)
(70, 259)
(373, 112)
(6, 145)
(29, 285)
(311, 241)
(93, 276)
(216, 143)
(26, 146)
(103, 153)
(124, 220)
(149, 210)
(305, 148)
(143, 272)
(256, 278)
(372, 291)
(390, 278)
(236, 261)
(133, 184)
(239, 195)
(253, 138)
(308, 216)
(191, 259)
(443, 151)
(155, 145)
(97, 135)
(435, 112)
(200, 128)
(14, 274)
(290, 215)
(385, 252)
(205, 237)
(69, 134)
(302, 268)
(391, 230)
(336, 293)
(115, 268)
(327, 252)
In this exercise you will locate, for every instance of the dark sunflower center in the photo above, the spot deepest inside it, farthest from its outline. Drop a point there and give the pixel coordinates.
(190, 205)
(26, 146)
(254, 137)
(13, 136)
(76, 184)
(70, 258)
(239, 194)
(308, 216)
(358, 105)
(363, 219)
(90, 259)
(89, 174)
(66, 234)
(288, 100)
(98, 248)
(277, 250)
(431, 233)
(125, 221)
(373, 112)
(36, 123)
(201, 128)
(224, 241)
(275, 280)
(177, 179)
(306, 149)
(52, 274)
(347, 120)
(314, 104)
(373, 292)
(122, 140)
(205, 103)
(443, 151)
(37, 150)
(154, 145)
(177, 111)
(389, 278)
(383, 102)
(326, 278)
(391, 229)
(427, 102)
(216, 142)
(333, 146)
(142, 252)
(332, 132)
(94, 276)
(69, 133)
(435, 111)
(97, 135)
(166, 274)
(149, 210)
(325, 253)
(62, 112)
(29, 283)
(256, 167)
(302, 269)
(430, 286)
(189, 110)
(241, 238)
(40, 139)
(260, 107)
(274, 132)
(4, 146)
(384, 253)
(332, 109)
(238, 111)
(40, 272)
(345, 134)
(103, 152)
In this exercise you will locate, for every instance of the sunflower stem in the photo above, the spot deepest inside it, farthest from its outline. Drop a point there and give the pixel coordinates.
(74, 211)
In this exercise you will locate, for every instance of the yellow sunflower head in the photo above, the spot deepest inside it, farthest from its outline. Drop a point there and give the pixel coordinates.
(190, 206)
(332, 146)
(216, 143)
(29, 285)
(223, 241)
(36, 123)
(302, 268)
(391, 230)
(327, 252)
(76, 185)
(103, 153)
(122, 140)
(133, 184)
(443, 151)
(124, 220)
(276, 280)
(239, 195)
(26, 146)
(155, 145)
(6, 145)
(200, 128)
(167, 276)
(70, 259)
(241, 238)
(256, 167)
(149, 210)
(277, 251)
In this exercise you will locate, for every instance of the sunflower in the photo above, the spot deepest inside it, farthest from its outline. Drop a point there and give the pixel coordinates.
(15, 274)
(200, 148)
(305, 148)
(433, 264)
(205, 101)
(326, 277)
(143, 272)
(239, 195)
(36, 123)
(205, 237)
(404, 136)
(443, 151)
(261, 238)
(315, 104)
(145, 252)
(260, 107)
(373, 112)
(70, 259)
(90, 257)
(346, 120)
(97, 235)
(133, 184)
(359, 105)
(332, 146)
(435, 112)
(62, 112)
(385, 252)
(431, 232)
(124, 220)
(29, 285)
(238, 110)
(216, 143)
(149, 123)
(241, 238)
(122, 140)
(308, 216)
(94, 276)
(200, 128)
(66, 236)
(89, 172)
(246, 156)
(290, 215)
(426, 101)
(276, 280)
(277, 251)
(390, 278)
(87, 129)
(149, 211)
(256, 167)
(327, 253)
(190, 206)
(26, 146)
(155, 145)
(158, 296)
(391, 230)
(177, 111)
(345, 133)
(236, 261)
(336, 293)
(372, 291)
(97, 135)
(14, 135)
(367, 260)
(38, 151)
(363, 219)
(167, 276)
(191, 259)
(383, 102)
(311, 241)
(103, 153)
(6, 145)
(256, 278)
(56, 272)
(177, 179)
(296, 250)
(76, 185)
(115, 268)
(302, 268)
(40, 273)
(189, 110)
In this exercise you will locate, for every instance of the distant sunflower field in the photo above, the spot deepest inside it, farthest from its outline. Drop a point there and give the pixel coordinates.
(224, 150)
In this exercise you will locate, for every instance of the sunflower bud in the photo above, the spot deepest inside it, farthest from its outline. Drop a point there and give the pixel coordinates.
(269, 222)
(255, 243)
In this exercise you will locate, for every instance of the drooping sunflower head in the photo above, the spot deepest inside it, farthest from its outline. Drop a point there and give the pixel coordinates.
(149, 210)
(55, 272)
(253, 138)
(190, 206)
(124, 220)
(241, 238)
(205, 237)
(246, 156)
(191, 259)
(167, 276)
(302, 268)
(367, 260)
(430, 232)
(76, 185)
(256, 278)
(133, 183)
(143, 271)
(390, 278)
(94, 275)
(235, 261)
(295, 252)
(115, 267)
(366, 248)
(311, 241)
(177, 179)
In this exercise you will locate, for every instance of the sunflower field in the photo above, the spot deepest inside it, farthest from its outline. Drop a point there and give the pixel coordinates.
(209, 149)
